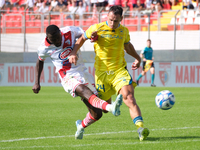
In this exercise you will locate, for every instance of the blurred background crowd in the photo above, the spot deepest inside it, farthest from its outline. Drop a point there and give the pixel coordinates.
(42, 6)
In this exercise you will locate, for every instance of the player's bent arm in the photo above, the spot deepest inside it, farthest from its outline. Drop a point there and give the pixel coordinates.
(129, 48)
(79, 43)
(73, 57)
(38, 71)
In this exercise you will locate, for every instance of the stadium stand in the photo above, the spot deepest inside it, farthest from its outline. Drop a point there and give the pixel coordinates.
(13, 19)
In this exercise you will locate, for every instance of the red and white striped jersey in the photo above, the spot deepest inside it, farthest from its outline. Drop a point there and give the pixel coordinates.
(60, 55)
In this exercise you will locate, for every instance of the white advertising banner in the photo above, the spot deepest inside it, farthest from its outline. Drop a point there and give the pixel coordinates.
(169, 74)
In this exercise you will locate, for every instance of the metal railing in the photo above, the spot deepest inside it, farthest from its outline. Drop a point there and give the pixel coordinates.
(134, 19)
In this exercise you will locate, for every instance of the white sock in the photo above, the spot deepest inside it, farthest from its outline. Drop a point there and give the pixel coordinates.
(109, 107)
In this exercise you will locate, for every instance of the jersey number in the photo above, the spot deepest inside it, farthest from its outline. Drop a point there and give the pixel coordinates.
(100, 87)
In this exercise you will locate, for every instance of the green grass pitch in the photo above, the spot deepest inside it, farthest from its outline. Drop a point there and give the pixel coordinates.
(46, 121)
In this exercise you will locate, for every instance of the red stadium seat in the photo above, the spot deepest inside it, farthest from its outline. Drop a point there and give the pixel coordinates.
(68, 22)
(132, 28)
(18, 24)
(9, 24)
(77, 23)
(38, 23)
(46, 23)
(126, 21)
(30, 23)
(18, 18)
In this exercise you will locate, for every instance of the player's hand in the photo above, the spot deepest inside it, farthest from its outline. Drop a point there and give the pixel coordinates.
(36, 88)
(73, 59)
(94, 36)
(144, 59)
(135, 65)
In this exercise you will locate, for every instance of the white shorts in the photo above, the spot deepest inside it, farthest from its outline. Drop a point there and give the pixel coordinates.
(73, 79)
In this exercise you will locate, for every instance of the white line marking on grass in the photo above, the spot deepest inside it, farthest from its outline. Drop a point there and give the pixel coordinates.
(103, 133)
(134, 143)
(98, 144)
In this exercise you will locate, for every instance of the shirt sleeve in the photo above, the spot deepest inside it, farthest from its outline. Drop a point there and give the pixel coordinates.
(127, 38)
(42, 53)
(89, 31)
(77, 31)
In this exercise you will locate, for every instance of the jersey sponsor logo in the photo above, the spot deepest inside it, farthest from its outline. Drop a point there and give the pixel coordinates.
(67, 39)
(68, 42)
(111, 36)
(64, 55)
(164, 72)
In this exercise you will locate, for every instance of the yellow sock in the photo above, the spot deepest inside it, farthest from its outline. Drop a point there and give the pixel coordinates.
(139, 124)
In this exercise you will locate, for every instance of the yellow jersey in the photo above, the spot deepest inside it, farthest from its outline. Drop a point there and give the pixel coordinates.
(109, 47)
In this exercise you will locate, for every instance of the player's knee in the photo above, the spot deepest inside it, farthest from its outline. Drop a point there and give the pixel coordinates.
(143, 73)
(83, 91)
(129, 98)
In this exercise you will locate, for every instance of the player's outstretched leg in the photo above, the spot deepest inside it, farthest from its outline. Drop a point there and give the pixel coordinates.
(116, 105)
(143, 133)
(114, 108)
(95, 101)
(80, 130)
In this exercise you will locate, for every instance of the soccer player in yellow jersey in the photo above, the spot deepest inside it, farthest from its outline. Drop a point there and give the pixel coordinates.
(111, 76)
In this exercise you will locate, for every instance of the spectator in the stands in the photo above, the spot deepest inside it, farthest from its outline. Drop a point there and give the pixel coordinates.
(187, 4)
(15, 3)
(138, 4)
(2, 2)
(156, 5)
(38, 5)
(122, 3)
(102, 4)
(71, 7)
(138, 7)
(86, 3)
(173, 2)
(47, 2)
(23, 3)
(93, 2)
(30, 6)
(42, 10)
(80, 11)
(166, 4)
(53, 7)
(62, 6)
(111, 3)
(6, 5)
(148, 4)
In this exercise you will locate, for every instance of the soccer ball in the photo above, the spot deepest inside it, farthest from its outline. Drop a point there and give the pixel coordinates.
(165, 100)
